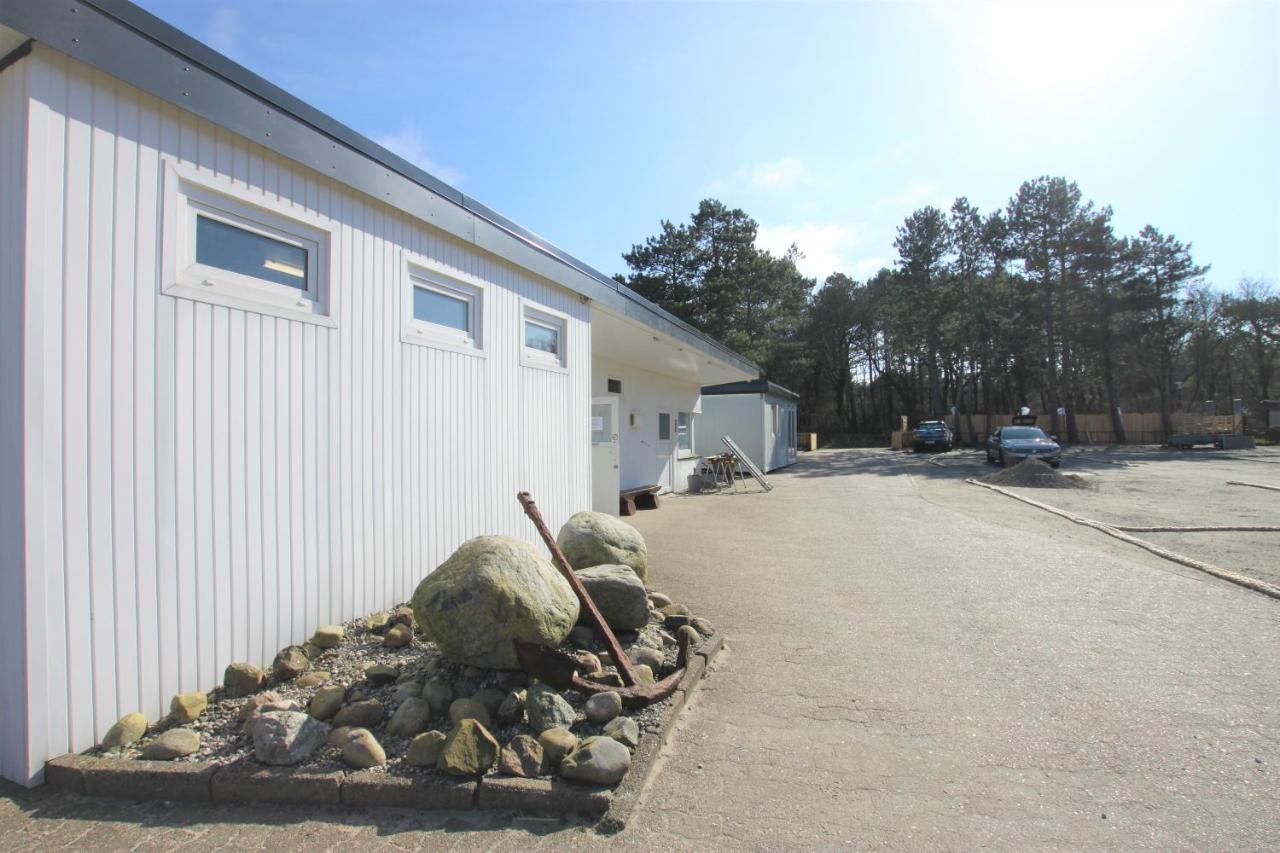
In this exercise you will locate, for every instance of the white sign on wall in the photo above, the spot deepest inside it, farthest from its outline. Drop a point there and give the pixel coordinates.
(597, 424)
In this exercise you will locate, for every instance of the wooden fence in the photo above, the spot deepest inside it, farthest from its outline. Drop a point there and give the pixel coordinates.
(1139, 427)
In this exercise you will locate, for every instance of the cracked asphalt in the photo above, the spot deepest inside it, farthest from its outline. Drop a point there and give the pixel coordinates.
(913, 664)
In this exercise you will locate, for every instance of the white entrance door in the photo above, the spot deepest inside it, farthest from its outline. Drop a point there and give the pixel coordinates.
(666, 451)
(604, 454)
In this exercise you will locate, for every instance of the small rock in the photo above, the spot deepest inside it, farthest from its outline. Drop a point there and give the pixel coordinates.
(581, 636)
(547, 709)
(365, 714)
(490, 699)
(608, 679)
(425, 749)
(250, 706)
(618, 593)
(357, 696)
(691, 633)
(625, 731)
(659, 600)
(242, 679)
(398, 636)
(467, 708)
(465, 687)
(598, 760)
(186, 707)
(511, 711)
(651, 658)
(174, 743)
(674, 609)
(312, 679)
(676, 620)
(327, 701)
(702, 626)
(410, 718)
(328, 636)
(280, 705)
(311, 650)
(361, 749)
(407, 690)
(439, 694)
(588, 662)
(644, 675)
(379, 674)
(556, 744)
(403, 615)
(286, 737)
(522, 757)
(469, 750)
(290, 662)
(377, 622)
(126, 730)
(338, 736)
(603, 707)
(605, 658)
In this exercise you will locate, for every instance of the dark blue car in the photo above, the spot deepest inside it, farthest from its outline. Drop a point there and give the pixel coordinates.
(932, 435)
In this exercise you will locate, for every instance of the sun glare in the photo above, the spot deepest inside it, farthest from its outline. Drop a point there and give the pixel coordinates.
(1071, 47)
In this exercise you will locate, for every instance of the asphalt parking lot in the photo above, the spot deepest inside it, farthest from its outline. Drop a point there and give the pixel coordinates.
(1149, 486)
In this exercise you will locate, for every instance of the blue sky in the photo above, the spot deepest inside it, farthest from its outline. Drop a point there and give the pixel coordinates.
(827, 122)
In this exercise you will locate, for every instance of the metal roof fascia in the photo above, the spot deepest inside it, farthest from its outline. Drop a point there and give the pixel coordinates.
(84, 31)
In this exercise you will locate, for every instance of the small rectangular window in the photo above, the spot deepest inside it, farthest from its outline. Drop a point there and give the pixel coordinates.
(615, 386)
(441, 308)
(228, 247)
(684, 431)
(664, 426)
(544, 338)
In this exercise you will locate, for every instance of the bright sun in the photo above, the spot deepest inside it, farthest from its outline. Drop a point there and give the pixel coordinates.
(1054, 47)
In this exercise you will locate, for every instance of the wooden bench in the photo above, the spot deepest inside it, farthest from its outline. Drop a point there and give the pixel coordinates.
(645, 497)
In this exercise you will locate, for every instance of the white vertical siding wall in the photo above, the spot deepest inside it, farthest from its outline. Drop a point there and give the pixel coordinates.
(210, 484)
(647, 393)
(742, 417)
(13, 679)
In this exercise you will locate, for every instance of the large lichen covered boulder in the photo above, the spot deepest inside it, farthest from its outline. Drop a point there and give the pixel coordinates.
(491, 591)
(596, 539)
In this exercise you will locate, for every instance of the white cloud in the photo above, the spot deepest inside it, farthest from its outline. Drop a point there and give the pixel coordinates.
(767, 176)
(826, 247)
(223, 31)
(864, 268)
(913, 195)
(410, 144)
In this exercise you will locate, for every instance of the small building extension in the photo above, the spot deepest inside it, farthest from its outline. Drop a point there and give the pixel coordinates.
(757, 414)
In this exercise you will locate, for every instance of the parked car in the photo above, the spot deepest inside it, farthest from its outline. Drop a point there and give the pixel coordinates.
(1009, 445)
(932, 435)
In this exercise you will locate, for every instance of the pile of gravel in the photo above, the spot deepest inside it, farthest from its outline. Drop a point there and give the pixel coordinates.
(1032, 473)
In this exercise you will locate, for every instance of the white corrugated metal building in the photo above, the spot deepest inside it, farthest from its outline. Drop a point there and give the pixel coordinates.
(259, 374)
(760, 416)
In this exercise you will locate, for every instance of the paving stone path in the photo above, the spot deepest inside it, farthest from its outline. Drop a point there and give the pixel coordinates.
(913, 664)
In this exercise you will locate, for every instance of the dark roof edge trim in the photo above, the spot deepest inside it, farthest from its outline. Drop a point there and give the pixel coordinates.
(147, 26)
(754, 386)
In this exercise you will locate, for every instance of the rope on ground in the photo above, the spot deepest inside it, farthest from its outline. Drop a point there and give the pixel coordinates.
(1208, 568)
(1253, 485)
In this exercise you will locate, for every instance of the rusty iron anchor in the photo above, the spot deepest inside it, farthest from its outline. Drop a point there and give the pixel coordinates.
(560, 671)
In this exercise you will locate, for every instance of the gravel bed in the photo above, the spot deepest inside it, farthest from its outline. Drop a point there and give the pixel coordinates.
(223, 741)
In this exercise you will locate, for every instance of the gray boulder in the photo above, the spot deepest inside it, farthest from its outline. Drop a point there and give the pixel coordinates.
(596, 539)
(410, 718)
(625, 731)
(603, 707)
(491, 591)
(547, 709)
(365, 714)
(439, 693)
(361, 749)
(598, 760)
(286, 737)
(174, 743)
(619, 594)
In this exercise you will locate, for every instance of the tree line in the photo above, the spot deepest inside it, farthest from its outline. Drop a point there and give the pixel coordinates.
(1040, 304)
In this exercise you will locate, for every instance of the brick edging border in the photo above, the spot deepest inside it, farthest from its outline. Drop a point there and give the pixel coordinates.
(210, 782)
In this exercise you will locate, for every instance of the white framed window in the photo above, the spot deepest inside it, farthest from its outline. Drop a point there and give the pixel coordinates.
(664, 426)
(229, 245)
(443, 308)
(684, 433)
(543, 337)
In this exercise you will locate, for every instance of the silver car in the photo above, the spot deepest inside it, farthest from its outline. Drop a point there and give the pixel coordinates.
(1009, 445)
